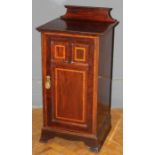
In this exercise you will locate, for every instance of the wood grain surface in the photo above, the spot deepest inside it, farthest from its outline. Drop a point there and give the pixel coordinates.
(58, 146)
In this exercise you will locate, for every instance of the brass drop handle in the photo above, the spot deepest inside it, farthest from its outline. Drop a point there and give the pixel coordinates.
(48, 82)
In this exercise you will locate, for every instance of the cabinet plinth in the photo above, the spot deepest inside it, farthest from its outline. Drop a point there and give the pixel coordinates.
(77, 52)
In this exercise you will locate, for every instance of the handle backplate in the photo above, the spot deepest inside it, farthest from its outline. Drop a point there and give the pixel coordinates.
(48, 82)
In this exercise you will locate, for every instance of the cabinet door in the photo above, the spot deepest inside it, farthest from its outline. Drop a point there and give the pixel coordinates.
(71, 81)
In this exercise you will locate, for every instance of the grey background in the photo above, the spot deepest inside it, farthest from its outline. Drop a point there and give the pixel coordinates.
(46, 10)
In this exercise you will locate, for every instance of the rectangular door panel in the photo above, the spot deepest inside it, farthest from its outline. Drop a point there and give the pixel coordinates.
(71, 83)
(70, 95)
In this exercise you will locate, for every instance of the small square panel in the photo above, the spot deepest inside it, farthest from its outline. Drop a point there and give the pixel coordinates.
(80, 54)
(59, 52)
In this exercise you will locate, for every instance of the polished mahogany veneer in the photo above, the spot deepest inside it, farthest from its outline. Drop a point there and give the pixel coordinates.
(77, 52)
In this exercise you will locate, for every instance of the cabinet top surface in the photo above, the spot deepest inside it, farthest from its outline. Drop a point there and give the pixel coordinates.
(75, 26)
(89, 20)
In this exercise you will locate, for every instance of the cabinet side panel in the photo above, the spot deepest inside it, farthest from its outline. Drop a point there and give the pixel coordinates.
(105, 78)
(45, 71)
(43, 40)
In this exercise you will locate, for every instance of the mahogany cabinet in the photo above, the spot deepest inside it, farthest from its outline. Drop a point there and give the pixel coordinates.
(77, 52)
